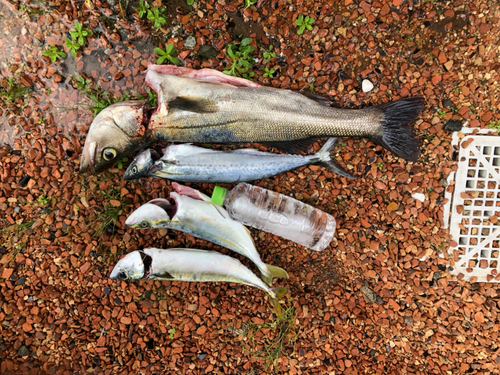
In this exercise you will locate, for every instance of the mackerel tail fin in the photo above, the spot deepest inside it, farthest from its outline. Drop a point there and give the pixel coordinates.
(325, 160)
(272, 272)
(278, 293)
(393, 134)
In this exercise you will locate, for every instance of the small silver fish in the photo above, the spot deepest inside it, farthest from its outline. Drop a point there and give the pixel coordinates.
(190, 265)
(189, 163)
(193, 213)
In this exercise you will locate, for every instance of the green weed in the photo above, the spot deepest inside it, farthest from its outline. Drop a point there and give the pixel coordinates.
(15, 236)
(12, 92)
(78, 38)
(171, 334)
(380, 166)
(190, 2)
(73, 46)
(80, 34)
(54, 53)
(276, 336)
(304, 23)
(442, 113)
(249, 3)
(152, 99)
(43, 200)
(157, 17)
(109, 215)
(143, 8)
(241, 61)
(311, 86)
(167, 54)
(104, 99)
(119, 163)
(268, 55)
(494, 125)
(82, 82)
(269, 72)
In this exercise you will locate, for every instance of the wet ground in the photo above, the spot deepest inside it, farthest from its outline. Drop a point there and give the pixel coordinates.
(379, 300)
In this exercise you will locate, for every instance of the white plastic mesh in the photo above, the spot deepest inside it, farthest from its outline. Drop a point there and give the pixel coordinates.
(475, 209)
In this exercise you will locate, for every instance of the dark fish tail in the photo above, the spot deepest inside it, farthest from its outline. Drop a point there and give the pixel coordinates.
(393, 134)
(326, 161)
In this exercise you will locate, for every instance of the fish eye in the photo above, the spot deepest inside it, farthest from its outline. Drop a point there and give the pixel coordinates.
(109, 154)
(144, 224)
(134, 169)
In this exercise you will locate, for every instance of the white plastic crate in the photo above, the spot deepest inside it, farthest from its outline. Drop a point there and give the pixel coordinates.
(476, 199)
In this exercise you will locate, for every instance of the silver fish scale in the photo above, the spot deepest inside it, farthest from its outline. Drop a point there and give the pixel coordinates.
(231, 167)
(265, 115)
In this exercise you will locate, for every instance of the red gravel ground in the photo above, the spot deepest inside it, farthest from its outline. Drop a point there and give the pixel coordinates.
(379, 300)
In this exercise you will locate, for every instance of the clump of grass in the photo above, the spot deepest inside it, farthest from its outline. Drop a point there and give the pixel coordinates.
(108, 216)
(277, 336)
(241, 61)
(103, 99)
(15, 236)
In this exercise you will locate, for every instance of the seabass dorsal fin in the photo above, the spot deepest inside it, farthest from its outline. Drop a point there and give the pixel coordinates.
(292, 147)
(193, 104)
(317, 98)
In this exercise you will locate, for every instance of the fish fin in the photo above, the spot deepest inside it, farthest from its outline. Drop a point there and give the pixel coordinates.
(393, 135)
(325, 160)
(321, 100)
(278, 292)
(292, 146)
(334, 167)
(194, 104)
(272, 272)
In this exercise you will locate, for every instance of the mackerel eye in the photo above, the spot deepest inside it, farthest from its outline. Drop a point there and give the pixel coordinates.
(134, 169)
(144, 224)
(109, 154)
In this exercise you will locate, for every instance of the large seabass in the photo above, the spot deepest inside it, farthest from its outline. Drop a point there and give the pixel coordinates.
(210, 107)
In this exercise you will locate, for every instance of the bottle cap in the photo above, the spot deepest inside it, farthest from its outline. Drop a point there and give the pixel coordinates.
(218, 195)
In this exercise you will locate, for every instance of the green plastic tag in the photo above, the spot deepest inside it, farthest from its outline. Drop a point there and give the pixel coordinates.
(218, 195)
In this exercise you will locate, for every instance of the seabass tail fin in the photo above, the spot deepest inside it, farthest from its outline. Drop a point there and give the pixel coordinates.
(394, 135)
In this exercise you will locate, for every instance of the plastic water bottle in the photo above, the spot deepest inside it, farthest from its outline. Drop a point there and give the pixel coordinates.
(278, 214)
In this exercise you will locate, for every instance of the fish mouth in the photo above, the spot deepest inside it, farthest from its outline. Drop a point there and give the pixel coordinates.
(170, 209)
(88, 157)
(147, 260)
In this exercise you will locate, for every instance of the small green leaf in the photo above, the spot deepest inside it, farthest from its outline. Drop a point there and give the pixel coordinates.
(159, 51)
(246, 41)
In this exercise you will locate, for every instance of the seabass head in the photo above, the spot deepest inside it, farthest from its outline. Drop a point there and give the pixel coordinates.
(116, 131)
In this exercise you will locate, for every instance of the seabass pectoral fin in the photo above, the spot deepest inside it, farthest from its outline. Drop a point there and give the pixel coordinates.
(193, 104)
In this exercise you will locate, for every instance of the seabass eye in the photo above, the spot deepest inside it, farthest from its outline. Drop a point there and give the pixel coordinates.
(144, 224)
(109, 154)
